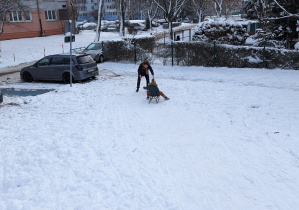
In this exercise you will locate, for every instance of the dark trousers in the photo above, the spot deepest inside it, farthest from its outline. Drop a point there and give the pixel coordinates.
(147, 80)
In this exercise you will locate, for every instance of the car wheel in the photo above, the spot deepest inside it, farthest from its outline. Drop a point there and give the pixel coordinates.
(27, 77)
(66, 78)
(101, 59)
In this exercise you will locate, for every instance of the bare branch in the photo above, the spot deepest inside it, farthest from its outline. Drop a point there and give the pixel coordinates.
(282, 7)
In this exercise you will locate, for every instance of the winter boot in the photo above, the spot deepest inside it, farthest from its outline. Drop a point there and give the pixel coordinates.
(166, 98)
(137, 89)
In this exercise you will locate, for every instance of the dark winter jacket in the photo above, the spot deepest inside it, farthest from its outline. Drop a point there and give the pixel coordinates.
(142, 71)
(153, 89)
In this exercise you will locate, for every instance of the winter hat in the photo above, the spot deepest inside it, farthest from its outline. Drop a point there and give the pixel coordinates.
(154, 82)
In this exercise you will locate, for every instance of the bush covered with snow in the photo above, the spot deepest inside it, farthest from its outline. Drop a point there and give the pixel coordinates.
(125, 50)
(224, 32)
(297, 46)
(268, 40)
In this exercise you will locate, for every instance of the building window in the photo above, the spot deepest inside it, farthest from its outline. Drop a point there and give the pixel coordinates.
(16, 16)
(28, 16)
(51, 15)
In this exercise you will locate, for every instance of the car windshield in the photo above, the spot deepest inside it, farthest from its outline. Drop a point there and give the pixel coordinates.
(85, 59)
(94, 46)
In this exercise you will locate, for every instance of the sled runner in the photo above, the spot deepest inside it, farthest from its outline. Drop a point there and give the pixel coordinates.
(157, 98)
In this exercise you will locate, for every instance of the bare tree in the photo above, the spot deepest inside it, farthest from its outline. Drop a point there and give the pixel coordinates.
(218, 7)
(152, 10)
(101, 3)
(7, 6)
(133, 8)
(230, 5)
(122, 14)
(171, 9)
(199, 6)
(224, 6)
(77, 7)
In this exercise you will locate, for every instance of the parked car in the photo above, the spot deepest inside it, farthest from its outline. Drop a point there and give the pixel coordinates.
(186, 20)
(104, 27)
(111, 28)
(96, 51)
(195, 20)
(57, 68)
(138, 26)
(161, 21)
(155, 24)
(86, 25)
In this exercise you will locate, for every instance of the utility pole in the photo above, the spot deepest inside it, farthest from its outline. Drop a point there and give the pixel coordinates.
(40, 21)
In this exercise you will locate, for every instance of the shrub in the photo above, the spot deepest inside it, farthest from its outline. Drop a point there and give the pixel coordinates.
(224, 32)
(202, 54)
(124, 50)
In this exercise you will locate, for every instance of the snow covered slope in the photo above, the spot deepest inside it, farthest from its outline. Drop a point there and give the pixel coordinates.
(226, 139)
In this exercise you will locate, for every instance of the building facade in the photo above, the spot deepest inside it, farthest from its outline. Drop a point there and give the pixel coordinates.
(41, 18)
(110, 11)
(90, 9)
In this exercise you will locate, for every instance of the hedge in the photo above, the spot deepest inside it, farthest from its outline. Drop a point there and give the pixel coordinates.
(202, 54)
(125, 50)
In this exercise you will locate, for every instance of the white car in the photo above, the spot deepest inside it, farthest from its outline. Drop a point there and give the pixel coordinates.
(111, 28)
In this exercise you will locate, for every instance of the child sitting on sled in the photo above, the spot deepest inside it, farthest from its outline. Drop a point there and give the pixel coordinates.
(153, 90)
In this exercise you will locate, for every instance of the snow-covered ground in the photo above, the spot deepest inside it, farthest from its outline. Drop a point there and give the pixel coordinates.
(226, 139)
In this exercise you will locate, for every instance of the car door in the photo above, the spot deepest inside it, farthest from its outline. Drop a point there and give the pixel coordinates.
(41, 71)
(57, 66)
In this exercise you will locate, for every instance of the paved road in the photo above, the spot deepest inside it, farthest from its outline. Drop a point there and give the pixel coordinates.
(11, 74)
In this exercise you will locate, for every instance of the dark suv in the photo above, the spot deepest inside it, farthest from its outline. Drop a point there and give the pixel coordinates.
(57, 68)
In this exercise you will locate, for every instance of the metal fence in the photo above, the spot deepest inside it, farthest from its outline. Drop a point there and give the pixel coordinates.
(221, 55)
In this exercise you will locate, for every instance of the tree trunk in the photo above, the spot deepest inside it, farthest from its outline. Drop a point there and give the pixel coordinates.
(122, 19)
(98, 32)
